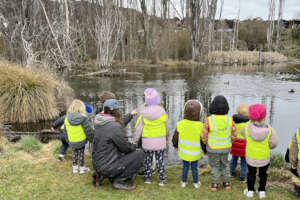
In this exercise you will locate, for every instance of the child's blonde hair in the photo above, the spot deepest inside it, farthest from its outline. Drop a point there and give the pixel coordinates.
(243, 109)
(77, 106)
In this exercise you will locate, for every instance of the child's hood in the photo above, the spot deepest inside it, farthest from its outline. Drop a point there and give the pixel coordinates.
(258, 133)
(76, 118)
(153, 112)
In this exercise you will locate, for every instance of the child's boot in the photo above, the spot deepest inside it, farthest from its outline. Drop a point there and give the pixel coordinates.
(213, 187)
(60, 158)
(226, 185)
(83, 170)
(183, 184)
(75, 169)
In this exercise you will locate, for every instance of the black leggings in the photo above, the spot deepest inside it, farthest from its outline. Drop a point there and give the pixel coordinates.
(78, 156)
(251, 177)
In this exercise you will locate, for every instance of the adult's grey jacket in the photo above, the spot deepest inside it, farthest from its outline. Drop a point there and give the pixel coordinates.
(76, 119)
(109, 146)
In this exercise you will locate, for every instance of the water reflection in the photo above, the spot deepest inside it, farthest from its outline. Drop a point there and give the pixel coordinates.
(240, 84)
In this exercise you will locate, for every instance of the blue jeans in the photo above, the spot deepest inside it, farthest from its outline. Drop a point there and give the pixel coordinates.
(233, 164)
(64, 144)
(185, 170)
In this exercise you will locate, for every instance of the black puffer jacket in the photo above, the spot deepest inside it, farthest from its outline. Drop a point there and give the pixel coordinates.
(110, 144)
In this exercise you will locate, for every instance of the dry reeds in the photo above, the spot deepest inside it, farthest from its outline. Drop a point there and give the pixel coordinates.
(28, 94)
(245, 57)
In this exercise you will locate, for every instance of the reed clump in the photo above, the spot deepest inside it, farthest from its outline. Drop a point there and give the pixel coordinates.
(245, 57)
(28, 94)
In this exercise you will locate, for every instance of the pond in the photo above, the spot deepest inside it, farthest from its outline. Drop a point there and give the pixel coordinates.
(268, 85)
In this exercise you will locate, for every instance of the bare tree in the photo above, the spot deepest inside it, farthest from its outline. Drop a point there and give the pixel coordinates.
(270, 31)
(211, 18)
(281, 4)
(236, 30)
(107, 31)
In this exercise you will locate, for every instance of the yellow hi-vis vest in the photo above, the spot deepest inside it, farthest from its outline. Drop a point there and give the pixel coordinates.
(75, 132)
(258, 150)
(189, 140)
(219, 136)
(239, 127)
(298, 142)
(153, 128)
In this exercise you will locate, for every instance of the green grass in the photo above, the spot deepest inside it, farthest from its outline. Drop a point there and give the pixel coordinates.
(30, 144)
(38, 176)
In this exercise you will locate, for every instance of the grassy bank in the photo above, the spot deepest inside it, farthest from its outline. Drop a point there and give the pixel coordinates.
(245, 57)
(37, 175)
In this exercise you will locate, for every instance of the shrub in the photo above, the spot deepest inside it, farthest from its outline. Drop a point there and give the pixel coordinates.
(277, 161)
(28, 94)
(29, 144)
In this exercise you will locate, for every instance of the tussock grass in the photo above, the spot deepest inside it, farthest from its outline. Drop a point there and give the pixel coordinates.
(30, 144)
(38, 176)
(28, 94)
(277, 161)
(245, 57)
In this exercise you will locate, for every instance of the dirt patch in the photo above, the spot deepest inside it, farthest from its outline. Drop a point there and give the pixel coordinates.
(280, 178)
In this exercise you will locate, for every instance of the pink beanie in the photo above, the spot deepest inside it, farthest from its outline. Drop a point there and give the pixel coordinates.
(151, 97)
(257, 112)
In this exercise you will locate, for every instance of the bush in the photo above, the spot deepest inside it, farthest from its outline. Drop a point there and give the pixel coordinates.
(277, 161)
(296, 33)
(29, 144)
(28, 94)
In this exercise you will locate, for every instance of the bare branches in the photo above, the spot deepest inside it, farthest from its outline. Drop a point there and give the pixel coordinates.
(272, 6)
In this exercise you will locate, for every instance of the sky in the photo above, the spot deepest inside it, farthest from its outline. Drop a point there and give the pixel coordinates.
(259, 8)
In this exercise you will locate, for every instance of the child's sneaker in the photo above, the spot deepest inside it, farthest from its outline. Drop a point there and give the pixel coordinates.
(226, 185)
(162, 183)
(147, 180)
(243, 180)
(249, 194)
(261, 194)
(75, 169)
(232, 174)
(183, 184)
(83, 170)
(197, 185)
(60, 158)
(213, 187)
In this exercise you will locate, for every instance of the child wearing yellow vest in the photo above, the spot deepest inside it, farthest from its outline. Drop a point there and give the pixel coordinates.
(186, 140)
(79, 130)
(238, 148)
(217, 132)
(261, 138)
(153, 126)
(294, 159)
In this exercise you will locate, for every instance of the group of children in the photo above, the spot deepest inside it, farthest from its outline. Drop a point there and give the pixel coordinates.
(246, 136)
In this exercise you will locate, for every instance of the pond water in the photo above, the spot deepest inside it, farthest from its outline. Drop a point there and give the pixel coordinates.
(268, 85)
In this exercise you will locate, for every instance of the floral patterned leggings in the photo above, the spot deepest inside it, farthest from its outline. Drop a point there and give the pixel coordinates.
(78, 156)
(159, 157)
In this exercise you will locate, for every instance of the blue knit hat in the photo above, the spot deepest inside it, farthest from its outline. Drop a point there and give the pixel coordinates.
(88, 108)
(113, 104)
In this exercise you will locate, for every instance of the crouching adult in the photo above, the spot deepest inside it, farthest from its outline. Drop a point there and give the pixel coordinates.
(113, 156)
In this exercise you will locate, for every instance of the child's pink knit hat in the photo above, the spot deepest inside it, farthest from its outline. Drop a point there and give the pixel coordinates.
(257, 112)
(151, 96)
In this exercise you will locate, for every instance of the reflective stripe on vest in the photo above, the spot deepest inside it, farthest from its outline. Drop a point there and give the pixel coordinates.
(220, 132)
(239, 127)
(75, 132)
(298, 142)
(258, 150)
(189, 140)
(153, 128)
